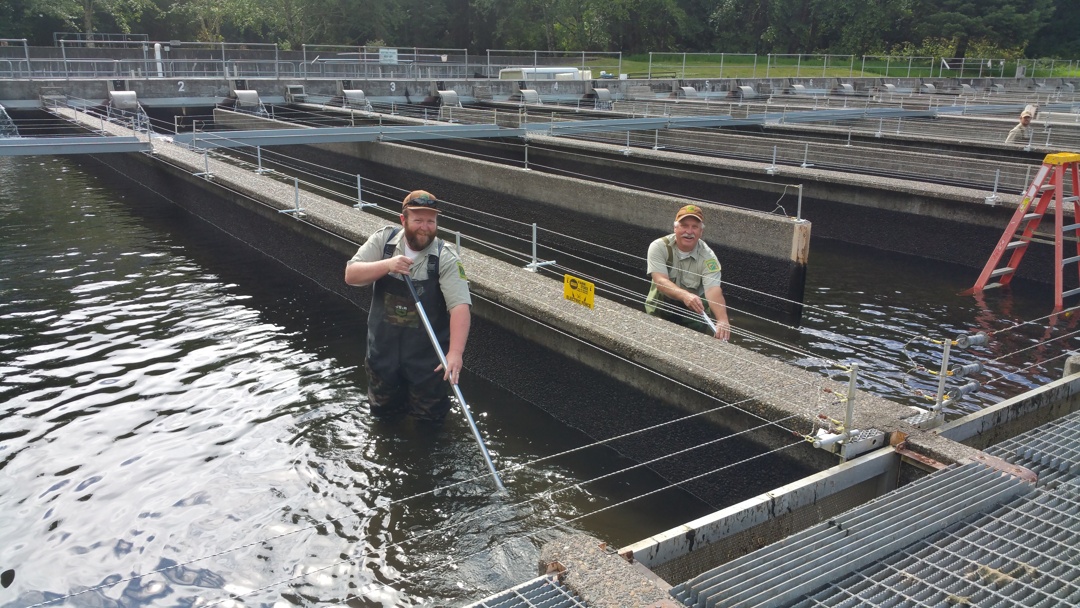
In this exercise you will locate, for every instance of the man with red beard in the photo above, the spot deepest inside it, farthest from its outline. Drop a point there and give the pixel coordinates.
(685, 276)
(404, 372)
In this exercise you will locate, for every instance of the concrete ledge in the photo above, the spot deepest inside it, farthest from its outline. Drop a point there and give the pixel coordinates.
(1016, 415)
(880, 465)
(602, 578)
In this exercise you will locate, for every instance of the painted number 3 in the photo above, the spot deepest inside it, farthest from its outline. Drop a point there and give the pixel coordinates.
(180, 85)
(393, 87)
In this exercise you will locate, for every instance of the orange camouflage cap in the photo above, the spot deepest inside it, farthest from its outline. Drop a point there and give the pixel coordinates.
(690, 210)
(420, 199)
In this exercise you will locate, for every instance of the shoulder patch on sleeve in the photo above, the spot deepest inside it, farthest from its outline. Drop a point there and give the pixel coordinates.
(461, 271)
(712, 265)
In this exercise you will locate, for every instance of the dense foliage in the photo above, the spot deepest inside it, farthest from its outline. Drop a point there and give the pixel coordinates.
(956, 28)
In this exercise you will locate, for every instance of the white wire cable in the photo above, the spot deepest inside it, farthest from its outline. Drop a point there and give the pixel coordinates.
(759, 337)
(1066, 313)
(507, 250)
(1036, 345)
(1027, 367)
(451, 560)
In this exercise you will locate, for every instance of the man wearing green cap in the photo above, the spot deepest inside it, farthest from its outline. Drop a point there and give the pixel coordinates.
(685, 275)
(405, 375)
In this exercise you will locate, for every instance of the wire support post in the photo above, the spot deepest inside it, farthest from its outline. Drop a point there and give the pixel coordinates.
(844, 439)
(994, 199)
(535, 264)
(939, 398)
(360, 204)
(773, 169)
(258, 159)
(205, 174)
(299, 211)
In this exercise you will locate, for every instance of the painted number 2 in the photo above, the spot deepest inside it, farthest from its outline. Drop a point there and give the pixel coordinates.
(180, 85)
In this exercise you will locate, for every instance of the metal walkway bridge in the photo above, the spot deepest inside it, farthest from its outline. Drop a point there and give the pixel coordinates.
(98, 144)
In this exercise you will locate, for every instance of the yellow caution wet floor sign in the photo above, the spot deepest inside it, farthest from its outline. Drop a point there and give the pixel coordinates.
(578, 290)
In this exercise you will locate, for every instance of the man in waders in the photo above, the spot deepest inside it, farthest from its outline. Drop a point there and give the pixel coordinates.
(404, 372)
(685, 274)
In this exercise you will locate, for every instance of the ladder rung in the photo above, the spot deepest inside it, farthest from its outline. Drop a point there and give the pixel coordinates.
(1046, 239)
(1046, 186)
(1015, 244)
(1070, 227)
(1075, 258)
(1071, 292)
(1002, 271)
(991, 286)
(1070, 199)
(1030, 216)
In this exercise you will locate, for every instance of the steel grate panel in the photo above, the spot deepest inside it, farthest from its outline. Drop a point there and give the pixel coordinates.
(1051, 451)
(541, 592)
(786, 570)
(996, 559)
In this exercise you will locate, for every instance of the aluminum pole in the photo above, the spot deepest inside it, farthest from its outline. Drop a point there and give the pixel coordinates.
(457, 390)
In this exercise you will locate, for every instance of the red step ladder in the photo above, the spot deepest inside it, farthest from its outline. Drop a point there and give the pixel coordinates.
(1047, 187)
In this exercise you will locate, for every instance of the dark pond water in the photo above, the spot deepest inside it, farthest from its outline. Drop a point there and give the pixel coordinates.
(174, 401)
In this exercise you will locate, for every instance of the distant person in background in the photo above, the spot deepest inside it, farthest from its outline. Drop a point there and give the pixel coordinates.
(685, 275)
(404, 372)
(1021, 133)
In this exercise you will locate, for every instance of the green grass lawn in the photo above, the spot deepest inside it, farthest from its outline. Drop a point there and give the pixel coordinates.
(703, 67)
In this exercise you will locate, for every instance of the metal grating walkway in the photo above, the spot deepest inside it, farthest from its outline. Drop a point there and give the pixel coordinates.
(542, 592)
(1024, 553)
(1013, 545)
(1052, 451)
(782, 572)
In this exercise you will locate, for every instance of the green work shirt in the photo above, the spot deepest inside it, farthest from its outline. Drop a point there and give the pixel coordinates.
(452, 281)
(695, 271)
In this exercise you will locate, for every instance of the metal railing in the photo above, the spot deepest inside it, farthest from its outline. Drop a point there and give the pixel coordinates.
(897, 66)
(780, 65)
(141, 58)
(702, 65)
(347, 62)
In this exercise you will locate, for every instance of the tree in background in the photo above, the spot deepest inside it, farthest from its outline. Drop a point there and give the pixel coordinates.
(85, 16)
(926, 27)
(1061, 36)
(1006, 22)
(211, 18)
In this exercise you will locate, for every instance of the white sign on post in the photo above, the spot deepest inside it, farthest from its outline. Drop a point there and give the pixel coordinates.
(388, 56)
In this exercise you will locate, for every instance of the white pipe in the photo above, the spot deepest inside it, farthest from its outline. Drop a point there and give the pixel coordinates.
(157, 57)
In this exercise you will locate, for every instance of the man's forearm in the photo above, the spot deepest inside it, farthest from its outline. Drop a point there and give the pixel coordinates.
(717, 304)
(668, 287)
(359, 274)
(460, 320)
